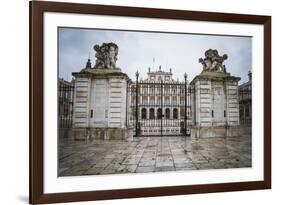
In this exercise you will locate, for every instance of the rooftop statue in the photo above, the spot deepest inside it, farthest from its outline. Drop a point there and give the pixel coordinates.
(213, 61)
(106, 56)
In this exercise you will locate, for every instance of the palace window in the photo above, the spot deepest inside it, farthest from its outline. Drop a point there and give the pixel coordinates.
(158, 99)
(151, 89)
(182, 112)
(158, 89)
(151, 113)
(144, 91)
(182, 100)
(167, 99)
(182, 91)
(159, 113)
(144, 100)
(152, 100)
(174, 99)
(167, 113)
(143, 113)
(247, 112)
(175, 113)
(152, 77)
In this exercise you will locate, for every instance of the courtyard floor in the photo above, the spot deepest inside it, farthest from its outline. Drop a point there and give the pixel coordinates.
(152, 154)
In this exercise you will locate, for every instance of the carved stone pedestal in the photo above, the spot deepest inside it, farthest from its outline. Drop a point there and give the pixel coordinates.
(100, 104)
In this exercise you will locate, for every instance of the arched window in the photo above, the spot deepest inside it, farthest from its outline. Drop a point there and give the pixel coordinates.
(159, 113)
(143, 113)
(151, 113)
(167, 113)
(175, 113)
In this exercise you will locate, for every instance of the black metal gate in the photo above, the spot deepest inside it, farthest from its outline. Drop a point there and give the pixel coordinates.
(159, 108)
(65, 104)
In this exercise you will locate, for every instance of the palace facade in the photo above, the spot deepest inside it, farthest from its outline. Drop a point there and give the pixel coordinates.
(162, 102)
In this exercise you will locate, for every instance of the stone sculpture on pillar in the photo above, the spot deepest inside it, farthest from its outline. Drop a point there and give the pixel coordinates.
(215, 100)
(106, 56)
(213, 61)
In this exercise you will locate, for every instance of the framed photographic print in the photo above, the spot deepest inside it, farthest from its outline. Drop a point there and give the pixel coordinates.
(138, 102)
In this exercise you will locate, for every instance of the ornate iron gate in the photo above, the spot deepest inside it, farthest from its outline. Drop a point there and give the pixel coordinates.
(65, 104)
(159, 108)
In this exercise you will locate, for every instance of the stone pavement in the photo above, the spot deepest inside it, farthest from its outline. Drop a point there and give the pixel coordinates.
(152, 154)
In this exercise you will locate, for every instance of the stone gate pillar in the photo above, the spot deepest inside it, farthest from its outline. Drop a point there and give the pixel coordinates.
(215, 100)
(100, 98)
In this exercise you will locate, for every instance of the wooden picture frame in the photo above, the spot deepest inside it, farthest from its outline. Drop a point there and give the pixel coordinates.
(37, 9)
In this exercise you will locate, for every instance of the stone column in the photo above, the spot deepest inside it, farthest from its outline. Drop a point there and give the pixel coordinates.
(217, 106)
(100, 98)
(100, 104)
(215, 99)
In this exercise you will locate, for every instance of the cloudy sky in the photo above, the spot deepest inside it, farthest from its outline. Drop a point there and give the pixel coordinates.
(137, 50)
